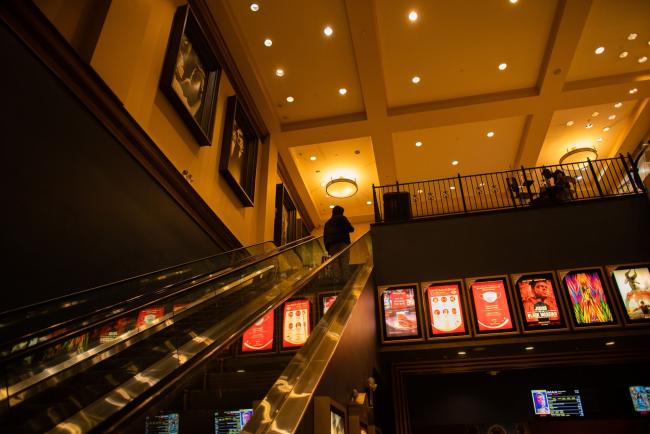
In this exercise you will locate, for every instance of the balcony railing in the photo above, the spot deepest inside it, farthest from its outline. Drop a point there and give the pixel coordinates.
(521, 188)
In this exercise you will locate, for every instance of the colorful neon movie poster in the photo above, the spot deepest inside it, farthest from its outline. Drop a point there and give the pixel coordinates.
(445, 309)
(400, 312)
(634, 286)
(259, 336)
(328, 301)
(491, 306)
(588, 299)
(295, 326)
(150, 315)
(640, 398)
(538, 301)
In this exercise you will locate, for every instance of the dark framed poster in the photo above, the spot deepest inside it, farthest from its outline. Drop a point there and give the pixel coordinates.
(326, 300)
(330, 417)
(238, 161)
(491, 306)
(190, 75)
(259, 337)
(632, 287)
(587, 297)
(539, 301)
(445, 308)
(286, 217)
(230, 421)
(296, 322)
(399, 312)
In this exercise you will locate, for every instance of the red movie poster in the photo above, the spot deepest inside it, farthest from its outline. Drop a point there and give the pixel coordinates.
(538, 301)
(149, 315)
(259, 336)
(295, 325)
(328, 301)
(491, 306)
(445, 309)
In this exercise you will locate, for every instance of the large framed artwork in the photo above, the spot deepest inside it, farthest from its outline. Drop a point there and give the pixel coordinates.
(238, 162)
(632, 287)
(445, 309)
(190, 75)
(491, 305)
(538, 300)
(330, 417)
(286, 217)
(587, 297)
(399, 310)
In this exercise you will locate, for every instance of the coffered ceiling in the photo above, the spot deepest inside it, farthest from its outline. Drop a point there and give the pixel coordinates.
(552, 75)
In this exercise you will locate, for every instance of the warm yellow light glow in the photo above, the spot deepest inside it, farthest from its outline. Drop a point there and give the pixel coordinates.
(570, 124)
(279, 72)
(618, 105)
(255, 7)
(415, 80)
(490, 134)
(611, 117)
(503, 66)
(594, 114)
(632, 36)
(599, 50)
(529, 348)
(606, 129)
(462, 353)
(514, 1)
(633, 91)
(328, 31)
(268, 42)
(290, 99)
(623, 54)
(454, 163)
(413, 16)
(331, 206)
(418, 144)
(368, 202)
(312, 158)
(343, 91)
(643, 59)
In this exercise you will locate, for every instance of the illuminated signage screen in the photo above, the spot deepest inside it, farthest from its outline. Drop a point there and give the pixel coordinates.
(633, 286)
(445, 309)
(327, 302)
(587, 296)
(231, 421)
(538, 300)
(259, 336)
(295, 323)
(557, 403)
(491, 306)
(162, 424)
(150, 315)
(640, 398)
(400, 312)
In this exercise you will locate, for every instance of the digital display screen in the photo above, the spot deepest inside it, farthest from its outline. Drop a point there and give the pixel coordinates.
(328, 301)
(640, 398)
(259, 336)
(491, 306)
(337, 424)
(445, 309)
(295, 323)
(400, 312)
(634, 288)
(557, 403)
(588, 300)
(162, 424)
(231, 421)
(538, 300)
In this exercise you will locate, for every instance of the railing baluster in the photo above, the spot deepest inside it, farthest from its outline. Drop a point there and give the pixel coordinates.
(462, 193)
(629, 173)
(593, 172)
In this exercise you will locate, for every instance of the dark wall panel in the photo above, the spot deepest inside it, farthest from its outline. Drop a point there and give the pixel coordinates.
(579, 234)
(78, 210)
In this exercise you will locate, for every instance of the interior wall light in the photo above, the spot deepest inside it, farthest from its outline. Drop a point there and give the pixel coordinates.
(341, 187)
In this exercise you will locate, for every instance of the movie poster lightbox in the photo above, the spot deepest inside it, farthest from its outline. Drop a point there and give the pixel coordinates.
(400, 312)
(587, 297)
(491, 307)
(259, 337)
(445, 309)
(632, 286)
(296, 323)
(539, 302)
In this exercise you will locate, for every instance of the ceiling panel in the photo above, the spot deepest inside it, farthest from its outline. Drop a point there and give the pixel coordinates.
(456, 47)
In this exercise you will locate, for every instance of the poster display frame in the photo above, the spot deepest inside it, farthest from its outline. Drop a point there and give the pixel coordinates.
(619, 297)
(561, 274)
(516, 328)
(280, 323)
(274, 349)
(323, 406)
(355, 422)
(521, 314)
(321, 297)
(418, 313)
(427, 313)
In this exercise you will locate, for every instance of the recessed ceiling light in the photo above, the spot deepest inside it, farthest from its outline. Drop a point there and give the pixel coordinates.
(610, 343)
(530, 348)
(503, 66)
(368, 202)
(312, 158)
(589, 125)
(599, 139)
(452, 187)
(268, 42)
(290, 99)
(599, 50)
(331, 206)
(279, 72)
(594, 114)
(415, 79)
(418, 144)
(623, 54)
(343, 91)
(454, 163)
(618, 105)
(328, 31)
(606, 129)
(632, 36)
(490, 134)
(514, 1)
(255, 7)
(611, 117)
(413, 16)
(643, 59)
(633, 91)
(241, 371)
(570, 123)
(462, 353)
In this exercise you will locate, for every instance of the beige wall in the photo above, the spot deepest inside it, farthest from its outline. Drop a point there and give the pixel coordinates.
(129, 57)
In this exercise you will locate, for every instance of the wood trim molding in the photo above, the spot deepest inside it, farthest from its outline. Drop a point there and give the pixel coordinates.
(30, 25)
(293, 193)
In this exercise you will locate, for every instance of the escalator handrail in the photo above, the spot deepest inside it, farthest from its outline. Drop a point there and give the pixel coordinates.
(109, 319)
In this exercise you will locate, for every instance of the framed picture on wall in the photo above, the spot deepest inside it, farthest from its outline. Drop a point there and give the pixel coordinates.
(190, 75)
(286, 217)
(326, 301)
(588, 298)
(491, 305)
(399, 310)
(238, 162)
(330, 417)
(296, 323)
(445, 309)
(538, 301)
(632, 288)
(259, 337)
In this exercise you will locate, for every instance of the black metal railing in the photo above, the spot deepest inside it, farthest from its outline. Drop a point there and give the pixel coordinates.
(525, 187)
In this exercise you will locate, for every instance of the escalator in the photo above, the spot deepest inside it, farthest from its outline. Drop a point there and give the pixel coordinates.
(107, 372)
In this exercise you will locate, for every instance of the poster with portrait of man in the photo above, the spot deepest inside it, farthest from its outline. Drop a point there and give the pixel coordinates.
(539, 301)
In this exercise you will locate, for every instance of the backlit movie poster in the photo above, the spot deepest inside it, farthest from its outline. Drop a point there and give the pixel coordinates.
(328, 301)
(445, 309)
(640, 398)
(150, 315)
(588, 299)
(259, 336)
(634, 286)
(400, 312)
(538, 301)
(295, 326)
(491, 306)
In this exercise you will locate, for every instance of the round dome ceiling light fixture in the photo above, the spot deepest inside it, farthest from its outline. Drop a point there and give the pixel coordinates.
(341, 187)
(579, 154)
